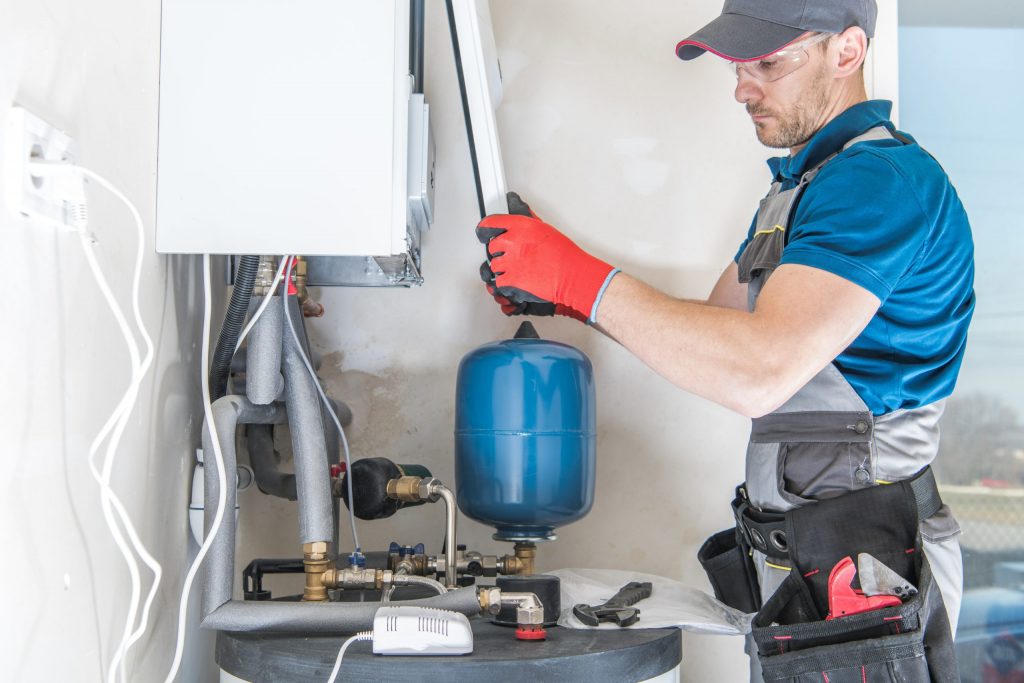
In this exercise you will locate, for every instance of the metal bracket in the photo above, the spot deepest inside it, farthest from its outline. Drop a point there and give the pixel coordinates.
(363, 271)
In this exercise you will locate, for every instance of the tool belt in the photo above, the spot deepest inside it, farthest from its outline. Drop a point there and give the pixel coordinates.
(766, 531)
(907, 642)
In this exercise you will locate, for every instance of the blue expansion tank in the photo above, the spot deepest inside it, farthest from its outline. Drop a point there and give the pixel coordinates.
(525, 436)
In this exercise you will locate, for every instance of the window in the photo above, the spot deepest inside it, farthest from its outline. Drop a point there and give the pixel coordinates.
(960, 96)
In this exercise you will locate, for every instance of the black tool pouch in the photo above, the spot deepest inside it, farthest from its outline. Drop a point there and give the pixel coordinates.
(731, 571)
(909, 642)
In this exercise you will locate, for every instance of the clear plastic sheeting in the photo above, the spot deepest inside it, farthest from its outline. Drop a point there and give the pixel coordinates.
(671, 603)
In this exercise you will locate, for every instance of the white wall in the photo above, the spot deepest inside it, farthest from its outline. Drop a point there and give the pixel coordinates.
(644, 160)
(90, 68)
(881, 72)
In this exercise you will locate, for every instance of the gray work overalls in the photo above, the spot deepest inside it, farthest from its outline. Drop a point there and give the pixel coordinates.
(824, 441)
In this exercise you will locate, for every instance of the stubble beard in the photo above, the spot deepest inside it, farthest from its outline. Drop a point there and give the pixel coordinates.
(796, 124)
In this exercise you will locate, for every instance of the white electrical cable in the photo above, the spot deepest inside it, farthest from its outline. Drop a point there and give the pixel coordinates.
(362, 635)
(144, 367)
(71, 186)
(327, 404)
(267, 299)
(218, 457)
(110, 503)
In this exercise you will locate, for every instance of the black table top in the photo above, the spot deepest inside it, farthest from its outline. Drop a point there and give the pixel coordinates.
(598, 656)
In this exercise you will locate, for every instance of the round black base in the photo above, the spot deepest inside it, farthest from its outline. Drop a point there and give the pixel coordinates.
(596, 656)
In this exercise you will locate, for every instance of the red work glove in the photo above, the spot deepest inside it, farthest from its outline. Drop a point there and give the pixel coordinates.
(534, 269)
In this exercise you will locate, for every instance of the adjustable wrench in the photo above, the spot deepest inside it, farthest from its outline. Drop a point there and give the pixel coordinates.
(618, 610)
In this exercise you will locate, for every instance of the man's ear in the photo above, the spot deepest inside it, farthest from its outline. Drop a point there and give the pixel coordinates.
(851, 49)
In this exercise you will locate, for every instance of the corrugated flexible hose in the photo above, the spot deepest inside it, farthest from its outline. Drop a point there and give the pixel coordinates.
(234, 320)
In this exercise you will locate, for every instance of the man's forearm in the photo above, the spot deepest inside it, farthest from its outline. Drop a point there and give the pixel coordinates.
(750, 362)
(704, 349)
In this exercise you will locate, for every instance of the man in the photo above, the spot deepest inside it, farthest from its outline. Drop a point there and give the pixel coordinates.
(844, 314)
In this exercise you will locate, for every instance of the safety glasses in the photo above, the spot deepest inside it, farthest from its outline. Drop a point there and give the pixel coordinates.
(779, 64)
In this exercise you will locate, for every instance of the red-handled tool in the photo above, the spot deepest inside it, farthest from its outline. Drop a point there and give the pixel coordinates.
(844, 599)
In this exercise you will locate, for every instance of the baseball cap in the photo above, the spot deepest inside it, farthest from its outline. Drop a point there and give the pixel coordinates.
(752, 29)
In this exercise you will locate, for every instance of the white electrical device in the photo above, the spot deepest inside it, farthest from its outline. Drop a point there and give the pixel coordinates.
(411, 630)
(30, 139)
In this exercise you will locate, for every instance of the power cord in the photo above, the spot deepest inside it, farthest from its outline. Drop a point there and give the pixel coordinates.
(327, 404)
(70, 182)
(362, 635)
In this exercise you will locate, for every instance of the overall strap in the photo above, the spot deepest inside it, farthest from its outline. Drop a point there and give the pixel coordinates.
(876, 133)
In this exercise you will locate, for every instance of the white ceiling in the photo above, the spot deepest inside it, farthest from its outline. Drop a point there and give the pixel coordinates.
(993, 13)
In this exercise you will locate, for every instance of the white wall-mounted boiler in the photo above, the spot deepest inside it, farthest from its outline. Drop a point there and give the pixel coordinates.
(285, 129)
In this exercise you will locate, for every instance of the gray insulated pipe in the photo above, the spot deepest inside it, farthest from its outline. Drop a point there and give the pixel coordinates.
(228, 412)
(309, 447)
(324, 617)
(219, 610)
(264, 384)
(263, 380)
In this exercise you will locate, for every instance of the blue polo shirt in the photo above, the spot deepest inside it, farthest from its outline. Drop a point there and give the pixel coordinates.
(884, 215)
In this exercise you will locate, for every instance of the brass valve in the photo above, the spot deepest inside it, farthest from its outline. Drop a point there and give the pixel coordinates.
(522, 562)
(414, 489)
(299, 278)
(404, 489)
(368, 579)
(316, 563)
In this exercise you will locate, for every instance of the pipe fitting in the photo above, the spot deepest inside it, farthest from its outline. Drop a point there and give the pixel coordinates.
(522, 563)
(431, 489)
(316, 563)
(312, 309)
(529, 610)
(490, 600)
(360, 579)
(417, 565)
(476, 564)
(265, 276)
(299, 278)
(414, 489)
(405, 489)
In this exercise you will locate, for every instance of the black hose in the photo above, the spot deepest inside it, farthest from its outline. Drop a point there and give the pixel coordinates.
(465, 107)
(269, 479)
(416, 23)
(234, 319)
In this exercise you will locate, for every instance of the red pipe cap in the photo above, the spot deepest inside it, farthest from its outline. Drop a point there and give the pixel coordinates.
(531, 633)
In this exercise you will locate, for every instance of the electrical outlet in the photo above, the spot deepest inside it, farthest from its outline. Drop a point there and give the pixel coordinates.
(29, 138)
